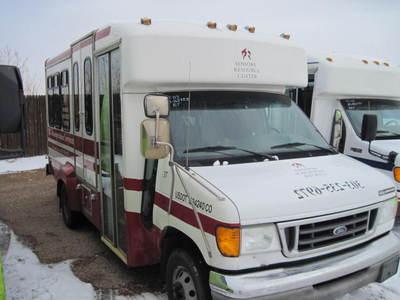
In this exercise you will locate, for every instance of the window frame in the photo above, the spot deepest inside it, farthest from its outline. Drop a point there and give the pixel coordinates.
(88, 122)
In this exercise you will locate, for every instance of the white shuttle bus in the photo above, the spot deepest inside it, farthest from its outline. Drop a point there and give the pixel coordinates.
(347, 97)
(179, 143)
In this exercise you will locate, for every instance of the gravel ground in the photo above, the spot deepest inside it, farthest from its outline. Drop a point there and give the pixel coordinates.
(28, 204)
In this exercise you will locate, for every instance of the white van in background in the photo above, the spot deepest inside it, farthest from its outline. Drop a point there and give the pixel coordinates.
(342, 98)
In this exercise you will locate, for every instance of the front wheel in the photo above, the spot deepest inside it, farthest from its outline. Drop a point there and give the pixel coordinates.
(70, 218)
(187, 277)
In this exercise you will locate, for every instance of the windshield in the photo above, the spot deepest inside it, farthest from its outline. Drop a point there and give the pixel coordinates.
(240, 126)
(387, 112)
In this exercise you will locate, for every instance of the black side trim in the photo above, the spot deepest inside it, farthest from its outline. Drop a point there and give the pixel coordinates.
(388, 166)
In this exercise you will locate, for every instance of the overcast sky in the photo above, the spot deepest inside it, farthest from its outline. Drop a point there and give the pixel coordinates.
(38, 29)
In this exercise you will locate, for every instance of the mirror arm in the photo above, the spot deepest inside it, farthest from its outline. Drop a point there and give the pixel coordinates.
(377, 154)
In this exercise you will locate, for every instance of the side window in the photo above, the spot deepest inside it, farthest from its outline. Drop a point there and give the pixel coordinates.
(88, 96)
(50, 112)
(75, 75)
(57, 101)
(66, 116)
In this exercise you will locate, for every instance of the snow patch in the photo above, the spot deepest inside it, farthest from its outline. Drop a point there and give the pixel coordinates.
(22, 164)
(26, 278)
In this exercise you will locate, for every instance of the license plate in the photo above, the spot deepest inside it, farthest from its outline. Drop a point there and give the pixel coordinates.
(389, 268)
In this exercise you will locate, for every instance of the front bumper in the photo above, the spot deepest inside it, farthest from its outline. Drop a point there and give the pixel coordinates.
(326, 278)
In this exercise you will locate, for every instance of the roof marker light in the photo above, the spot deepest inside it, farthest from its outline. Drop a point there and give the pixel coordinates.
(212, 24)
(232, 27)
(365, 61)
(386, 64)
(250, 28)
(376, 62)
(330, 59)
(145, 21)
(285, 36)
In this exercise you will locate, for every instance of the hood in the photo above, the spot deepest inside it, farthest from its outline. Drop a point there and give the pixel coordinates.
(274, 191)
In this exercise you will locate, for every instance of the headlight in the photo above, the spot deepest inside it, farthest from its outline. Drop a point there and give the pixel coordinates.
(388, 211)
(258, 238)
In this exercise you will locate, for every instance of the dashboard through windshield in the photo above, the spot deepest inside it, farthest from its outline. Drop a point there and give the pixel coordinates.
(387, 112)
(240, 126)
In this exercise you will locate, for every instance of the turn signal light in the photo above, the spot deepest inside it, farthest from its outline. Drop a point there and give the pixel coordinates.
(386, 64)
(285, 36)
(228, 241)
(396, 173)
(232, 27)
(330, 59)
(251, 28)
(365, 61)
(212, 25)
(376, 62)
(145, 21)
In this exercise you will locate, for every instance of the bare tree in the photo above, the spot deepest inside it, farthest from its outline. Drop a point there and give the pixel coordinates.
(11, 57)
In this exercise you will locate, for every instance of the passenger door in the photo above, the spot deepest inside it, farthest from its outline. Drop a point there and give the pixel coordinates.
(111, 152)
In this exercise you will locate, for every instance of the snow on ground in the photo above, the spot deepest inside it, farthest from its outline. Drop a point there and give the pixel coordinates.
(26, 278)
(22, 164)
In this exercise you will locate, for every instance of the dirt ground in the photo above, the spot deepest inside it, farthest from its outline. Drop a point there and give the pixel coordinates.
(28, 204)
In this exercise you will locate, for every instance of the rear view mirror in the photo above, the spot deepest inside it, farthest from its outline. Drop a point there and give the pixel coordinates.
(154, 104)
(11, 99)
(155, 138)
(368, 128)
(337, 129)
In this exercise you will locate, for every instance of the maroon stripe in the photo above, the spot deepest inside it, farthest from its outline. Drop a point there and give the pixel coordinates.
(67, 53)
(60, 149)
(103, 33)
(133, 184)
(187, 215)
(64, 55)
(88, 147)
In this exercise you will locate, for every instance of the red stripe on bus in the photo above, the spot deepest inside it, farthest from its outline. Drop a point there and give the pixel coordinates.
(88, 147)
(186, 215)
(133, 184)
(64, 55)
(103, 33)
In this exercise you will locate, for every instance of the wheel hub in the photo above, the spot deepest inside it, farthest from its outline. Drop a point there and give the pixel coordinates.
(183, 285)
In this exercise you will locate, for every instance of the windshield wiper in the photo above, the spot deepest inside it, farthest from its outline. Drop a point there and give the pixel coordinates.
(387, 131)
(224, 148)
(297, 144)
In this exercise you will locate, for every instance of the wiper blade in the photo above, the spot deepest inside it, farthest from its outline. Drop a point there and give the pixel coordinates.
(387, 131)
(297, 144)
(224, 148)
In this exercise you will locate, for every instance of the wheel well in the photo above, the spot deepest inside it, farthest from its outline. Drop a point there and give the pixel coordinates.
(60, 183)
(174, 239)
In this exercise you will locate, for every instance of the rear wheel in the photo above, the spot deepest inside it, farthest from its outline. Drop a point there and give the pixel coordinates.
(187, 277)
(71, 218)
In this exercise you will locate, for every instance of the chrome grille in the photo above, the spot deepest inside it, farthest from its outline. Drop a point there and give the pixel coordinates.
(303, 237)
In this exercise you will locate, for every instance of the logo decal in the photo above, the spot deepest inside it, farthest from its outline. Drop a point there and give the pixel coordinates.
(246, 53)
(297, 165)
(340, 230)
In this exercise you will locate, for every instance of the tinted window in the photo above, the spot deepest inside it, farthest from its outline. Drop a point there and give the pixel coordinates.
(88, 96)
(76, 96)
(66, 116)
(57, 102)
(50, 110)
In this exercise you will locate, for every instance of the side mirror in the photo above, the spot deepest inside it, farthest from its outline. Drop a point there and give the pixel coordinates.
(11, 99)
(337, 129)
(368, 128)
(156, 103)
(154, 138)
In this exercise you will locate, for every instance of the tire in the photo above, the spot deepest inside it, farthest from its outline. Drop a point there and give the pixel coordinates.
(187, 277)
(71, 218)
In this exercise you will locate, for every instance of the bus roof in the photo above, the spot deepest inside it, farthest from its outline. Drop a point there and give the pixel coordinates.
(354, 77)
(169, 54)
